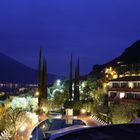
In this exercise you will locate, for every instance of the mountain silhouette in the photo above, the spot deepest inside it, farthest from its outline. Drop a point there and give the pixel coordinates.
(130, 56)
(16, 72)
(129, 60)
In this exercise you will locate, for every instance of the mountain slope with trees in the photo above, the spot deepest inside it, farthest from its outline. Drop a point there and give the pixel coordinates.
(129, 60)
(130, 56)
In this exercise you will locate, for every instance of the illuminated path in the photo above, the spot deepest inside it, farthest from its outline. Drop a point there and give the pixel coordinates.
(26, 129)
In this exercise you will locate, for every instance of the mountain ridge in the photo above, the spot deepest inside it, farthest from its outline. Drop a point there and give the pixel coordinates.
(130, 54)
(13, 71)
(128, 60)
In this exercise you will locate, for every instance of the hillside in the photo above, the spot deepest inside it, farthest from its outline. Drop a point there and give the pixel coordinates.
(129, 60)
(130, 56)
(16, 72)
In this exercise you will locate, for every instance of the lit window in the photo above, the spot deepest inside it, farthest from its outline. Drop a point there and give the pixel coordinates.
(122, 95)
(130, 84)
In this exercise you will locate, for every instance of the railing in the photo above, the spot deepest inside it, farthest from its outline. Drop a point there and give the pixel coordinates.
(5, 135)
(124, 89)
(132, 100)
(101, 121)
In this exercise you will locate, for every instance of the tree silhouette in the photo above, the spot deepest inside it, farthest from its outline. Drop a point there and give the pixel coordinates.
(44, 79)
(78, 78)
(76, 82)
(70, 78)
(40, 75)
(75, 85)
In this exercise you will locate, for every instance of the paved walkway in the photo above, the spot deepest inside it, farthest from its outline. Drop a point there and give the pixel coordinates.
(25, 133)
(89, 120)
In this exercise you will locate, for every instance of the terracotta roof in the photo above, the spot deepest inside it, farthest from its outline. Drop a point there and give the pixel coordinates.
(127, 78)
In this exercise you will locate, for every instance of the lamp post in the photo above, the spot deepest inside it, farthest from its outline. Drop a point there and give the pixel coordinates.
(58, 82)
(37, 95)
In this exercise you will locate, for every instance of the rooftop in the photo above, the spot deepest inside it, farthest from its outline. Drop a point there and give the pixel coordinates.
(127, 78)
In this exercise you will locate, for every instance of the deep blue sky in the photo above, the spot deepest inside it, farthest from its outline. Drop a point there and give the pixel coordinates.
(96, 30)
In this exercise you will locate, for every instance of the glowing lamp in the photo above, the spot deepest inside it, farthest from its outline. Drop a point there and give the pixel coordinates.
(83, 111)
(37, 93)
(22, 128)
(122, 95)
(130, 84)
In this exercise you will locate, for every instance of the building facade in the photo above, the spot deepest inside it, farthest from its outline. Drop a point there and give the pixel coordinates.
(125, 89)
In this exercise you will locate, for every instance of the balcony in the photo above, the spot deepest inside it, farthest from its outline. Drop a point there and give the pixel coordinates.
(117, 99)
(125, 89)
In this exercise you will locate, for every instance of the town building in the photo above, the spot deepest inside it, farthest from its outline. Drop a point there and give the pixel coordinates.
(125, 89)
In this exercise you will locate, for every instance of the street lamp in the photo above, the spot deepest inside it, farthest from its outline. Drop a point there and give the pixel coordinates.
(83, 85)
(83, 111)
(58, 82)
(37, 93)
(23, 128)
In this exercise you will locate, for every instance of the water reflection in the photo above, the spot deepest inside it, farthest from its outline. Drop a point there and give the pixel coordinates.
(53, 124)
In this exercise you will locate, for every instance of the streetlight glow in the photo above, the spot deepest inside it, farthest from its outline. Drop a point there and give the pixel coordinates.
(37, 93)
(23, 128)
(33, 117)
(83, 84)
(122, 95)
(83, 111)
(58, 82)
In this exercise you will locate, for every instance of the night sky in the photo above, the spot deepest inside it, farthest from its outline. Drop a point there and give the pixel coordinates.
(95, 30)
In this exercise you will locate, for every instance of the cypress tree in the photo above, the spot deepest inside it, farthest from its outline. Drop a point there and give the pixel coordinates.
(76, 82)
(46, 95)
(75, 85)
(44, 79)
(76, 95)
(39, 75)
(78, 78)
(70, 78)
